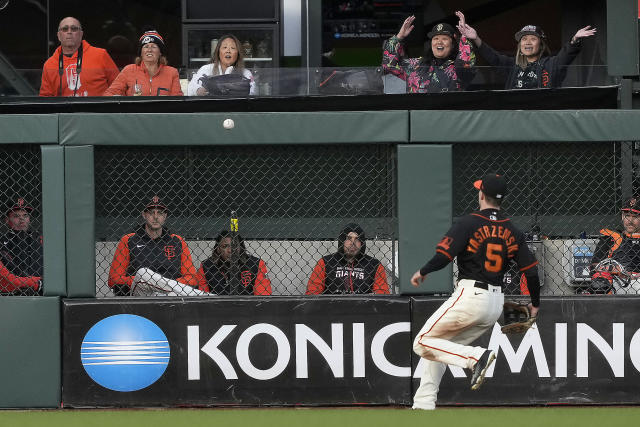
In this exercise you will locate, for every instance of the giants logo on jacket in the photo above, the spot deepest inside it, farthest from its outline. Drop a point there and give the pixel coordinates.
(170, 251)
(355, 272)
(246, 277)
(72, 76)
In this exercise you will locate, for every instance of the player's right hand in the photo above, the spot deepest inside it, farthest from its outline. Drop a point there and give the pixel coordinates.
(533, 310)
(417, 278)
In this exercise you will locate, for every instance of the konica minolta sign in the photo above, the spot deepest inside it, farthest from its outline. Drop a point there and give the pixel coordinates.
(125, 352)
(288, 351)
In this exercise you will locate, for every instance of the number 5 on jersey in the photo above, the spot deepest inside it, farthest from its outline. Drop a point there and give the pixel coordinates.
(493, 261)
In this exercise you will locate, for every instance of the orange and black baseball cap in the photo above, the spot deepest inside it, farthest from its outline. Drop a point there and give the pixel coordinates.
(493, 185)
(632, 205)
(155, 203)
(20, 205)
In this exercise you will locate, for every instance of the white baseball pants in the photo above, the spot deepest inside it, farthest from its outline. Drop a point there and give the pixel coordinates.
(444, 338)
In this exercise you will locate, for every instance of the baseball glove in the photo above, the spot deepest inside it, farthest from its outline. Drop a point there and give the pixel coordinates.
(517, 318)
(614, 272)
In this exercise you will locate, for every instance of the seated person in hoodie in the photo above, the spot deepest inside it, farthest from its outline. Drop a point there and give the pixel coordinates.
(227, 58)
(233, 272)
(349, 271)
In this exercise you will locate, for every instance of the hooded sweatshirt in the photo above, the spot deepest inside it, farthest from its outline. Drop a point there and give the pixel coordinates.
(335, 274)
(97, 72)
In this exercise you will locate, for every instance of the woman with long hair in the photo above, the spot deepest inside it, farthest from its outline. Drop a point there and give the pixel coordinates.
(226, 58)
(231, 270)
(532, 67)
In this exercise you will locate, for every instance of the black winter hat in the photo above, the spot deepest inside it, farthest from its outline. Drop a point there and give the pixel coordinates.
(151, 36)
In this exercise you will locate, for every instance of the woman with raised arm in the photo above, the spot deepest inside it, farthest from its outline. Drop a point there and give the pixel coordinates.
(446, 65)
(532, 67)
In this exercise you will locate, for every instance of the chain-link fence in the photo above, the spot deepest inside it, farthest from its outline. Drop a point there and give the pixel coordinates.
(562, 195)
(20, 238)
(290, 202)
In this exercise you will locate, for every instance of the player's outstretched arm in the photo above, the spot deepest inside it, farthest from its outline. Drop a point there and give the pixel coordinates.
(417, 278)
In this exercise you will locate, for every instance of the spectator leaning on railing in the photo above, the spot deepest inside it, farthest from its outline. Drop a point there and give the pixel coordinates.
(76, 68)
(150, 75)
(532, 67)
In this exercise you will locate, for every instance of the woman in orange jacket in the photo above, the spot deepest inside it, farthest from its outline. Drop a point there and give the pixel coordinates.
(150, 75)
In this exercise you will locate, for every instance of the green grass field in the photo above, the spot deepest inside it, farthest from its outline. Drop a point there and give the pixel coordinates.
(330, 417)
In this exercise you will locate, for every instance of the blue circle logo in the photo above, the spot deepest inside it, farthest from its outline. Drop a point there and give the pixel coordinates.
(125, 352)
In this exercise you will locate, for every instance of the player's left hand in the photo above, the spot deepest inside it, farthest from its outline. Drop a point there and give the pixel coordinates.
(417, 278)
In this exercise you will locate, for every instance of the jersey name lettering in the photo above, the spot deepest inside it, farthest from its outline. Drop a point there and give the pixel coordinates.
(488, 231)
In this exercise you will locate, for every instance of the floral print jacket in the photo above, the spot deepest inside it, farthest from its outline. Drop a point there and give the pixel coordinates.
(436, 76)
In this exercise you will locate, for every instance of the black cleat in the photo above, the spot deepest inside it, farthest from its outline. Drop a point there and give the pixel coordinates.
(480, 370)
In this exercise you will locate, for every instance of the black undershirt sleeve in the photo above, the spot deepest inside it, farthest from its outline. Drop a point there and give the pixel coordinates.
(436, 263)
(453, 242)
(533, 284)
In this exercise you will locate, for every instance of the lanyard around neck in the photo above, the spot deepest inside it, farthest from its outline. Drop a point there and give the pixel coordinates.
(61, 69)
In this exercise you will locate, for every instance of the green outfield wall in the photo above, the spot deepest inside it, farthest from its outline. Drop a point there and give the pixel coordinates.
(422, 144)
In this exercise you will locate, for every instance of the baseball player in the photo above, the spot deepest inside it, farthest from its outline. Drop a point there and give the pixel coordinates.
(622, 246)
(153, 261)
(483, 242)
(20, 253)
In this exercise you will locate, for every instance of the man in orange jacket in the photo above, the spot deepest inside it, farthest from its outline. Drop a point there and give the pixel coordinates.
(152, 260)
(76, 68)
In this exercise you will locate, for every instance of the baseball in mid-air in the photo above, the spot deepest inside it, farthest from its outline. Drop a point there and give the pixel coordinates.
(228, 124)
